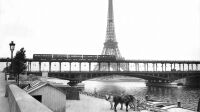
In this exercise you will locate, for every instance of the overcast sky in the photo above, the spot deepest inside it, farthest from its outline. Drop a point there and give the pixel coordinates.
(145, 29)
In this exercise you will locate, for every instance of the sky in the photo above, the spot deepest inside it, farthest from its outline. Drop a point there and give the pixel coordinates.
(145, 29)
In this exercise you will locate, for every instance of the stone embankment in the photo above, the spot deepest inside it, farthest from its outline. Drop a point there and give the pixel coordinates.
(20, 101)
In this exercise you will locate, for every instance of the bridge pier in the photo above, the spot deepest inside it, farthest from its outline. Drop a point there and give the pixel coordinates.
(72, 92)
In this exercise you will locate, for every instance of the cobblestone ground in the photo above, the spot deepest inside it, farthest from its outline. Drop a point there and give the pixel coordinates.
(4, 106)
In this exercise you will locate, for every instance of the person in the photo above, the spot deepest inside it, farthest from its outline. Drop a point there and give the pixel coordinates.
(198, 106)
(146, 97)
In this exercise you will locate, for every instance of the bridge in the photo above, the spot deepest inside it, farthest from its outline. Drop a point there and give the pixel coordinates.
(77, 70)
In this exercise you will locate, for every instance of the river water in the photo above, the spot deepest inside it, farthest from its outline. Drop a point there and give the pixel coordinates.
(187, 96)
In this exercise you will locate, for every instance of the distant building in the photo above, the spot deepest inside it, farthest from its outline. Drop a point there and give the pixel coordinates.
(47, 94)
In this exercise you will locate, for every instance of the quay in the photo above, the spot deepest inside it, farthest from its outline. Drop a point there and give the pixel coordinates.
(4, 105)
(87, 103)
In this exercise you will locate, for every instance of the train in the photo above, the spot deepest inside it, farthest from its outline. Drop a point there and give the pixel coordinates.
(74, 57)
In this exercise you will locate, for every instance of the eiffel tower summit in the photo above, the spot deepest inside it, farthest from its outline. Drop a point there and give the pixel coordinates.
(111, 45)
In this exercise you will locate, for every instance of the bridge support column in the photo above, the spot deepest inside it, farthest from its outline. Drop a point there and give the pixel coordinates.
(165, 67)
(39, 66)
(147, 67)
(118, 66)
(179, 66)
(156, 67)
(27, 66)
(49, 66)
(135, 66)
(99, 66)
(153, 67)
(174, 66)
(89, 66)
(183, 67)
(70, 66)
(192, 67)
(79, 66)
(72, 92)
(171, 66)
(196, 67)
(188, 66)
(108, 66)
(60, 66)
(162, 67)
(30, 66)
(128, 67)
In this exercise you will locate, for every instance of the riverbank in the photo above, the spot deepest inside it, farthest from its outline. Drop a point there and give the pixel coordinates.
(118, 79)
(91, 104)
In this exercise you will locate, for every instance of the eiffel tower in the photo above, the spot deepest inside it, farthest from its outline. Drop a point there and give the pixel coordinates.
(110, 44)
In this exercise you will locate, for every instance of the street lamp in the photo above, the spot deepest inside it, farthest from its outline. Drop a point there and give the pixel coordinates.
(12, 47)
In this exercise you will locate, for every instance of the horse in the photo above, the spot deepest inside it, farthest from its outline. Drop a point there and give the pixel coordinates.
(123, 99)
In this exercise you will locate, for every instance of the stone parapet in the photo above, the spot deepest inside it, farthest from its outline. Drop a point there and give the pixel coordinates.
(20, 101)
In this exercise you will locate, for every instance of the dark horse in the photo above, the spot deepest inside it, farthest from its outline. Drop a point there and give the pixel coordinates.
(124, 99)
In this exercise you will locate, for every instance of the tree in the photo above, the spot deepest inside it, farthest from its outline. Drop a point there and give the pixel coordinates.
(19, 64)
(7, 69)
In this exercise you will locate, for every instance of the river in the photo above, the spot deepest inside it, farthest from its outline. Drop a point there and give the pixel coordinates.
(187, 96)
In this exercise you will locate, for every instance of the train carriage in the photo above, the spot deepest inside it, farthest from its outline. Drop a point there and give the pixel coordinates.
(75, 57)
(106, 58)
(90, 57)
(42, 56)
(60, 56)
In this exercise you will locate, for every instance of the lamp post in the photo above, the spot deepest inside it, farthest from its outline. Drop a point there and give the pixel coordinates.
(12, 47)
(7, 69)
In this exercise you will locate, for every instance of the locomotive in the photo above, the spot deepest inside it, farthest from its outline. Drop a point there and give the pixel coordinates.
(74, 57)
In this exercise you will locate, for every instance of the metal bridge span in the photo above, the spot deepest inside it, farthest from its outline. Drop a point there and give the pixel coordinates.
(80, 70)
